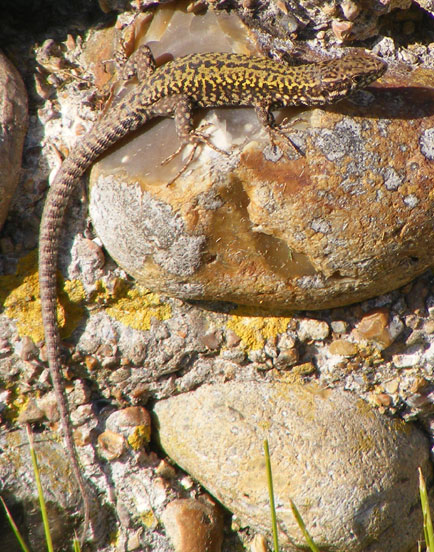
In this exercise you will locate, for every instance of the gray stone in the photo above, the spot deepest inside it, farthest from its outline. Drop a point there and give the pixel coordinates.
(13, 127)
(351, 472)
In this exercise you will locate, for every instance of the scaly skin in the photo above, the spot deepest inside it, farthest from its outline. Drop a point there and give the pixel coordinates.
(175, 89)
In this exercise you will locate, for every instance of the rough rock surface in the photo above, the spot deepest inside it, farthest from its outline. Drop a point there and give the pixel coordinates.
(126, 346)
(351, 472)
(350, 220)
(13, 127)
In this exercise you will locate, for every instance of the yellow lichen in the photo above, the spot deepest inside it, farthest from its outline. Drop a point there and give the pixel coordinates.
(255, 330)
(135, 307)
(140, 437)
(149, 520)
(18, 405)
(114, 537)
(19, 295)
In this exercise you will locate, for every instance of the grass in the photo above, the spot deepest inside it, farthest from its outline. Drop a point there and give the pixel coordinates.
(296, 513)
(427, 521)
(42, 506)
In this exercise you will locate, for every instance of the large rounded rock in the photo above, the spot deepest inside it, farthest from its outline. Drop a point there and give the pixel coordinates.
(351, 472)
(350, 219)
(13, 127)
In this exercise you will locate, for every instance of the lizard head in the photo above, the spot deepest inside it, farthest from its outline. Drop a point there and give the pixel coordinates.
(340, 77)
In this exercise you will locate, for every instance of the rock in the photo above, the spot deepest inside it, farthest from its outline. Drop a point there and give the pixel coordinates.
(351, 472)
(270, 228)
(311, 329)
(373, 327)
(111, 445)
(193, 525)
(342, 347)
(134, 423)
(18, 489)
(259, 544)
(13, 128)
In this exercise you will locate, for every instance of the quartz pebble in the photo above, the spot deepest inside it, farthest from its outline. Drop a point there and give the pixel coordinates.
(351, 472)
(373, 327)
(111, 444)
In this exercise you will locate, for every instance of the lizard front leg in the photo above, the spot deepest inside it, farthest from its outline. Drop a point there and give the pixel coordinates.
(141, 64)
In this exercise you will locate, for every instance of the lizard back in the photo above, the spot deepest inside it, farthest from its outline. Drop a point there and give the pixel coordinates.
(217, 79)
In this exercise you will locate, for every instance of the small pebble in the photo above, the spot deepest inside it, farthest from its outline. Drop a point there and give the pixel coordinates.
(373, 327)
(193, 526)
(339, 326)
(32, 413)
(311, 330)
(343, 348)
(406, 360)
(259, 544)
(134, 423)
(112, 445)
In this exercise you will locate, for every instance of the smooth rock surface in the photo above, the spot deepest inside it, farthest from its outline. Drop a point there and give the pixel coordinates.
(13, 127)
(351, 472)
(194, 525)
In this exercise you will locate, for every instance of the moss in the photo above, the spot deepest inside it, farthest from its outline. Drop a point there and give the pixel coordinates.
(255, 330)
(19, 295)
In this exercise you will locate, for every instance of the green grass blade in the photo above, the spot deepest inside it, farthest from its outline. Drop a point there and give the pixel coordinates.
(40, 493)
(76, 544)
(271, 496)
(427, 522)
(14, 527)
(302, 526)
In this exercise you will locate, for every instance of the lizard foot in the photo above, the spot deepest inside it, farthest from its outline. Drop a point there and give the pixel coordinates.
(278, 136)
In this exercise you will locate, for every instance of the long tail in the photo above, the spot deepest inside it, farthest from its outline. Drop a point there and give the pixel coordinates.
(96, 142)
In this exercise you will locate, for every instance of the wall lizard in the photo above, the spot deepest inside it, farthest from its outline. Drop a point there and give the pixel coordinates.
(175, 90)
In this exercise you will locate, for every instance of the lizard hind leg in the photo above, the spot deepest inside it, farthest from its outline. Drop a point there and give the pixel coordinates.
(187, 134)
(275, 132)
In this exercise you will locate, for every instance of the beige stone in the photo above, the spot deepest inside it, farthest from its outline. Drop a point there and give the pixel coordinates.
(351, 472)
(19, 490)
